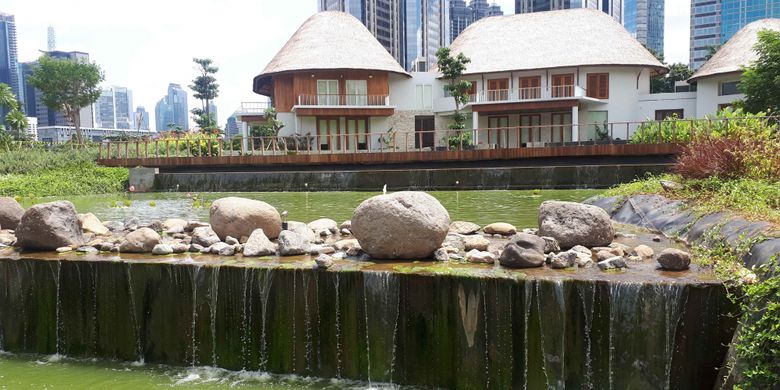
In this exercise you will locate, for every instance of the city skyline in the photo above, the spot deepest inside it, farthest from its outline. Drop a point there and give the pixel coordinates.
(133, 53)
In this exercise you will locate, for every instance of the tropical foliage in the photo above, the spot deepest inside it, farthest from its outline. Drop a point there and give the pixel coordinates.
(206, 90)
(451, 69)
(675, 129)
(761, 80)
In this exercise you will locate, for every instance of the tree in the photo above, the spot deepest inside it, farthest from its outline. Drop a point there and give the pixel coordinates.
(7, 98)
(760, 81)
(451, 69)
(67, 86)
(17, 123)
(677, 72)
(711, 50)
(206, 89)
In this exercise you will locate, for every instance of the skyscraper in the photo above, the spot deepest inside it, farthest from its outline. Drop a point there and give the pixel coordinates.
(213, 112)
(612, 7)
(231, 127)
(410, 30)
(172, 109)
(141, 119)
(8, 56)
(51, 39)
(644, 19)
(462, 15)
(105, 116)
(114, 109)
(713, 22)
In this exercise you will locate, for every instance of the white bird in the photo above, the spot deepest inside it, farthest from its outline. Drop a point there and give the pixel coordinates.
(384, 190)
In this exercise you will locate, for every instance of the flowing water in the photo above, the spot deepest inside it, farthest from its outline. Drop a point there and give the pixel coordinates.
(483, 207)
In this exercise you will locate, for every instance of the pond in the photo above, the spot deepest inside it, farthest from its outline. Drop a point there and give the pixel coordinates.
(482, 207)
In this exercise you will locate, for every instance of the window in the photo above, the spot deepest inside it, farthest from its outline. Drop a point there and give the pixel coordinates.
(328, 134)
(357, 92)
(498, 89)
(327, 92)
(496, 126)
(530, 87)
(423, 96)
(357, 129)
(663, 114)
(562, 85)
(729, 88)
(598, 85)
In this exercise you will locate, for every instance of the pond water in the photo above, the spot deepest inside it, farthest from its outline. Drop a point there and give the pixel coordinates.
(482, 207)
(55, 373)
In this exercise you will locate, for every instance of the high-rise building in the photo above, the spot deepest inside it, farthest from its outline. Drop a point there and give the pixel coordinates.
(33, 102)
(462, 15)
(713, 22)
(172, 109)
(410, 30)
(213, 112)
(231, 127)
(644, 19)
(114, 109)
(8, 56)
(51, 39)
(141, 119)
(613, 8)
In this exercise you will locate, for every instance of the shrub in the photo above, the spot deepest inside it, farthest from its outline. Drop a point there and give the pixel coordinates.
(676, 130)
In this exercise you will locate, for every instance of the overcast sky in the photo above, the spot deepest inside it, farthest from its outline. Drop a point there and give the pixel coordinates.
(145, 44)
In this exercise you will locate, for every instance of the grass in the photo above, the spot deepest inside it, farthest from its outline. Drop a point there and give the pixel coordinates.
(36, 172)
(756, 200)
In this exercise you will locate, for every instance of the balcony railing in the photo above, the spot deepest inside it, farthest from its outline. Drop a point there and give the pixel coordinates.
(253, 108)
(532, 93)
(344, 100)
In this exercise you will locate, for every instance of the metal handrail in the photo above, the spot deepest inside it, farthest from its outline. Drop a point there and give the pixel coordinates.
(356, 100)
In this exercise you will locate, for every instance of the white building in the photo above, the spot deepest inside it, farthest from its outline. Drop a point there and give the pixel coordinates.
(32, 127)
(58, 134)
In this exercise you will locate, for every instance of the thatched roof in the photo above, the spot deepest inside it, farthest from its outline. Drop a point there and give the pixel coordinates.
(550, 39)
(329, 41)
(739, 51)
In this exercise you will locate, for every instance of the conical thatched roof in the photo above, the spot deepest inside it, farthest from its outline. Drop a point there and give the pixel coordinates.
(329, 41)
(739, 51)
(550, 39)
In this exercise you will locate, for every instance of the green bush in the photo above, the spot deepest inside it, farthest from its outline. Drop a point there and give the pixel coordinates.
(678, 130)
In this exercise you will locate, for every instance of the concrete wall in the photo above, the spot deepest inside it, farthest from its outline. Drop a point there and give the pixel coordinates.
(707, 95)
(649, 103)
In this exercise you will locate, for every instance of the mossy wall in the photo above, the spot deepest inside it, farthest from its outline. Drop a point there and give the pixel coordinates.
(445, 331)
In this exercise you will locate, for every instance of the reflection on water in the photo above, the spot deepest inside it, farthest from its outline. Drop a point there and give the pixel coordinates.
(482, 207)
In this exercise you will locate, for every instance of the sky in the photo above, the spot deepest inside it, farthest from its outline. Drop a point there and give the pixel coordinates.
(144, 45)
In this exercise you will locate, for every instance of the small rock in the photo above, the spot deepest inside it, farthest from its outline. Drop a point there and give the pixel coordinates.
(624, 235)
(132, 223)
(500, 228)
(644, 252)
(230, 240)
(105, 246)
(7, 238)
(533, 231)
(551, 245)
(477, 242)
(343, 245)
(324, 261)
(180, 236)
(64, 249)
(463, 227)
(477, 256)
(91, 224)
(529, 241)
(238, 248)
(323, 227)
(174, 225)
(346, 225)
(114, 226)
(86, 249)
(656, 238)
(456, 257)
(195, 248)
(157, 226)
(604, 255)
(582, 249)
(346, 232)
(259, 245)
(564, 260)
(326, 249)
(515, 256)
(223, 249)
(141, 240)
(616, 262)
(204, 236)
(583, 262)
(162, 249)
(454, 241)
(192, 225)
(354, 251)
(623, 247)
(441, 254)
(206, 250)
(450, 249)
(674, 259)
(634, 259)
(292, 244)
(668, 185)
(302, 229)
(180, 247)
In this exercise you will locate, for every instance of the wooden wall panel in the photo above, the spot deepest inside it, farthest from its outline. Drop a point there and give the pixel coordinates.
(283, 96)
(288, 87)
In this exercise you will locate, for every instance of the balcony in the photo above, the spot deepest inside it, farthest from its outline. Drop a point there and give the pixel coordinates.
(528, 94)
(252, 108)
(343, 100)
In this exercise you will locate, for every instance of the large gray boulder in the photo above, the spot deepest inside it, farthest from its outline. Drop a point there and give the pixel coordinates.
(204, 236)
(401, 225)
(292, 244)
(302, 229)
(259, 245)
(10, 213)
(142, 240)
(575, 224)
(515, 256)
(49, 226)
(239, 217)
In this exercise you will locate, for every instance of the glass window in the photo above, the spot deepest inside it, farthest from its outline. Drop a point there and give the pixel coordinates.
(357, 92)
(597, 126)
(327, 92)
(729, 88)
(663, 114)
(424, 97)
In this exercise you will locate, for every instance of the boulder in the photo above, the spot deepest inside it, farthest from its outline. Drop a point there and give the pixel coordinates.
(142, 240)
(326, 225)
(259, 245)
(162, 249)
(401, 225)
(174, 225)
(233, 216)
(478, 256)
(204, 236)
(564, 260)
(643, 251)
(477, 242)
(463, 227)
(323, 261)
(515, 256)
(575, 224)
(529, 241)
(10, 212)
(49, 226)
(302, 229)
(222, 249)
(616, 262)
(500, 228)
(292, 244)
(674, 259)
(91, 224)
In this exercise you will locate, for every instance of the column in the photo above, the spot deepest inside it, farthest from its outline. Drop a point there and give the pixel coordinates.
(245, 134)
(575, 123)
(474, 127)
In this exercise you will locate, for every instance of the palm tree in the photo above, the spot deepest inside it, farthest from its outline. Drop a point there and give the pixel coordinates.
(17, 122)
(7, 98)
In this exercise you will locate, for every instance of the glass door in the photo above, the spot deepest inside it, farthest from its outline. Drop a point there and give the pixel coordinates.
(328, 134)
(356, 135)
(357, 92)
(327, 92)
(561, 127)
(529, 128)
(496, 128)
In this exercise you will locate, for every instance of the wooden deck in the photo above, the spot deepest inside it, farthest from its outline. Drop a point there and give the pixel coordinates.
(373, 158)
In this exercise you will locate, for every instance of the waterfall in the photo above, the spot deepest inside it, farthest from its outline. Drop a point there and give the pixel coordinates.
(213, 301)
(264, 282)
(136, 326)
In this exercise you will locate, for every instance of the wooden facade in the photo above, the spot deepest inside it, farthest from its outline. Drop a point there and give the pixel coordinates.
(287, 87)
